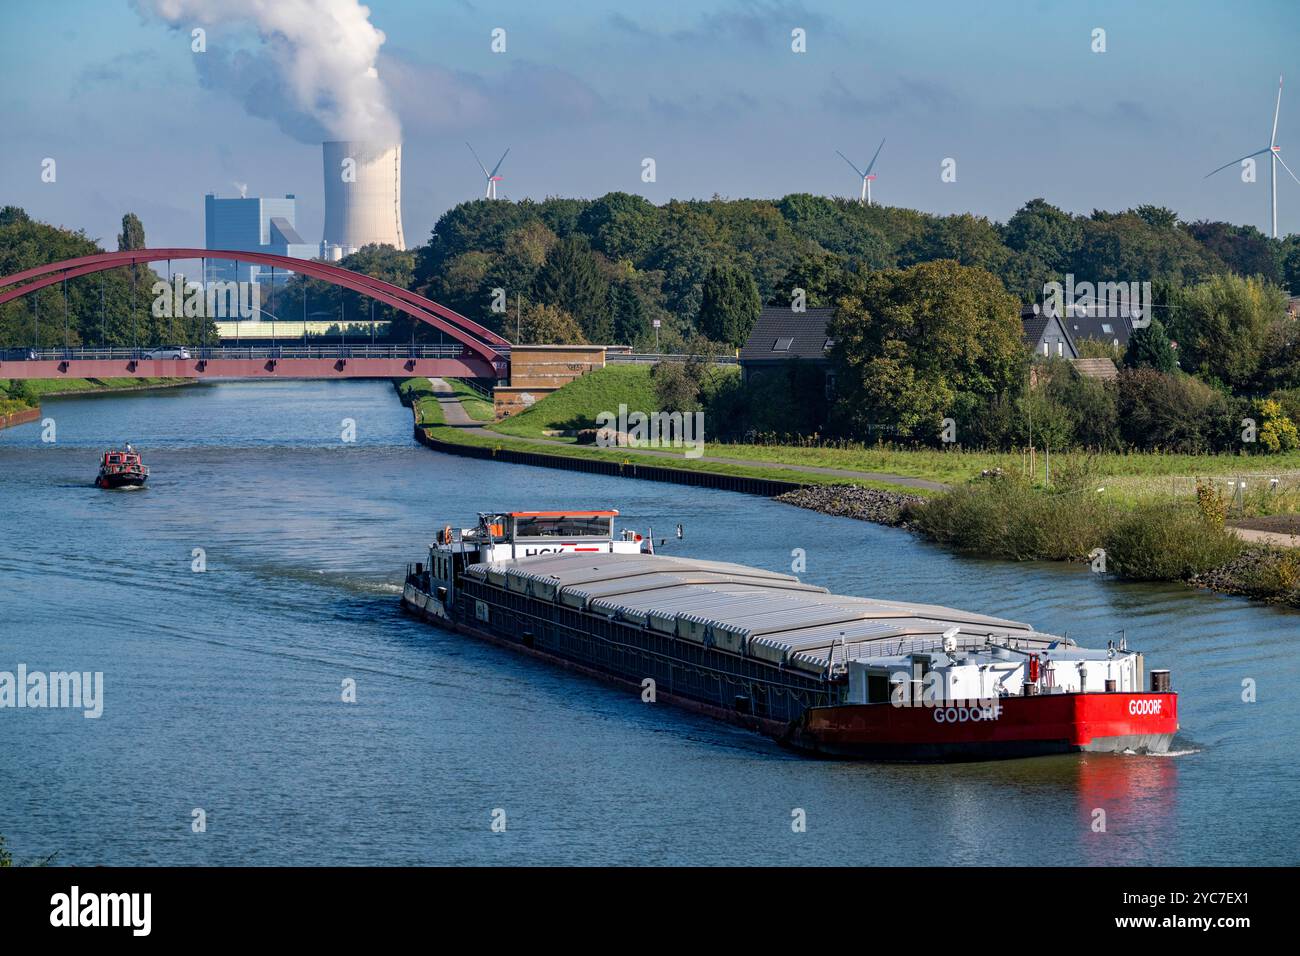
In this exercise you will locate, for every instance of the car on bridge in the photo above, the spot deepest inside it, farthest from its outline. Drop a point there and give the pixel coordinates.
(169, 352)
(18, 355)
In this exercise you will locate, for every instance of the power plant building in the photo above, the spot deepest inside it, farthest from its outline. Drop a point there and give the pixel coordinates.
(251, 224)
(363, 197)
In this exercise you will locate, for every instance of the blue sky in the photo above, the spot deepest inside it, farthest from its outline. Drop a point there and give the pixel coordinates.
(1012, 91)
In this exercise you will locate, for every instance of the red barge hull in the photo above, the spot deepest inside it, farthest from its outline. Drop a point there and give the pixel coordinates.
(1013, 727)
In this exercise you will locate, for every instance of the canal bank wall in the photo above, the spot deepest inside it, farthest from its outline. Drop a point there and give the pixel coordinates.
(21, 417)
(765, 487)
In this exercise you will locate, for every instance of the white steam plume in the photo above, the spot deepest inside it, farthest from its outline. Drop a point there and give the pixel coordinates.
(314, 74)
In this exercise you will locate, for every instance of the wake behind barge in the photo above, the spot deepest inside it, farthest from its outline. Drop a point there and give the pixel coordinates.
(823, 673)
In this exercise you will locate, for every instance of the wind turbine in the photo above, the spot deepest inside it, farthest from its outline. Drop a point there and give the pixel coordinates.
(868, 176)
(1274, 151)
(492, 177)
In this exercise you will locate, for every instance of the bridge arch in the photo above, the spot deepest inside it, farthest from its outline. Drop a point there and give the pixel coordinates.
(481, 341)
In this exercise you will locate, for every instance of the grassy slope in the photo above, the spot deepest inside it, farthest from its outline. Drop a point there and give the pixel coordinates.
(576, 405)
(47, 386)
(418, 393)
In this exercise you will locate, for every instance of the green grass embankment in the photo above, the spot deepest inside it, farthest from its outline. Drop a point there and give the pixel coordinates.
(48, 387)
(576, 405)
(418, 394)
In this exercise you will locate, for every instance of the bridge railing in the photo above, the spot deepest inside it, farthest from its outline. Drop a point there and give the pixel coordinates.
(650, 358)
(233, 352)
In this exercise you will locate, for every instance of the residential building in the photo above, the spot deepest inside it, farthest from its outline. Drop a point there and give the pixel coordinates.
(782, 335)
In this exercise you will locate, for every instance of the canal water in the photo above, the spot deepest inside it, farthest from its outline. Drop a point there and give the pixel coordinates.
(222, 688)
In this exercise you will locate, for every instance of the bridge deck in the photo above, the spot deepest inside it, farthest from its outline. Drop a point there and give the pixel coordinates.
(249, 362)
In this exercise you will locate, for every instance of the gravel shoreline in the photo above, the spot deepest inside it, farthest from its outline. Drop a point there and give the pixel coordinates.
(889, 508)
(1261, 572)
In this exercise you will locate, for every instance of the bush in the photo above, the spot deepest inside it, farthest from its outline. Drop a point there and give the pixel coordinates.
(1274, 576)
(1006, 518)
(1211, 505)
(1167, 543)
(1277, 432)
(1173, 413)
(21, 390)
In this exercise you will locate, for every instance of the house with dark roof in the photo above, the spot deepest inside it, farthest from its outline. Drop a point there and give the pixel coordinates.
(1046, 335)
(1113, 329)
(782, 335)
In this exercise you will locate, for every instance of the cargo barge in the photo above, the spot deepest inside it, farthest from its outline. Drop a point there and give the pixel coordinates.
(826, 674)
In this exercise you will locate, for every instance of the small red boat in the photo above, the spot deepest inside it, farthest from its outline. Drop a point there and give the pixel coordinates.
(121, 469)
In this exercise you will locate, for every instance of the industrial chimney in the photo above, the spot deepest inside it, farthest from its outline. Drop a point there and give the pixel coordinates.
(363, 196)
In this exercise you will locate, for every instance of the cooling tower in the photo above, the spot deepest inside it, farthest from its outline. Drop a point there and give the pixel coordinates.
(363, 196)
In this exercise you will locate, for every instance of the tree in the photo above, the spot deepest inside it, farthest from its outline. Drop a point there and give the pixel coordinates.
(1045, 232)
(1126, 248)
(1157, 217)
(572, 279)
(94, 318)
(729, 305)
(1149, 347)
(913, 346)
(687, 386)
(621, 225)
(1279, 367)
(822, 276)
(1172, 413)
(1243, 249)
(480, 226)
(13, 215)
(1221, 326)
(132, 235)
(966, 239)
(628, 311)
(543, 324)
(845, 227)
(1290, 263)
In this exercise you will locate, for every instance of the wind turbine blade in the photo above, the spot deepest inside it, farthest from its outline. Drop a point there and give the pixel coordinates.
(500, 161)
(1257, 152)
(1286, 167)
(851, 166)
(874, 158)
(477, 160)
(1272, 140)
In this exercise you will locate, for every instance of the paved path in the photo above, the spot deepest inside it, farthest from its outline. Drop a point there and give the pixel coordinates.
(455, 415)
(453, 412)
(1267, 537)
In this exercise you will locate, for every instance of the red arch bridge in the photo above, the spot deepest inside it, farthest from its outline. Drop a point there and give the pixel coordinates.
(475, 351)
